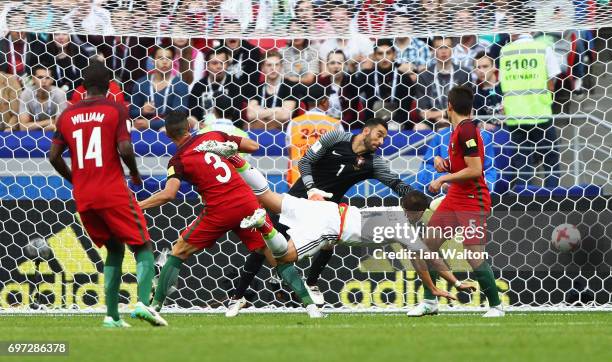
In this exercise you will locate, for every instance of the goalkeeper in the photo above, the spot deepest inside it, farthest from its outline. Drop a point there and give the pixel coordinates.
(335, 163)
(317, 224)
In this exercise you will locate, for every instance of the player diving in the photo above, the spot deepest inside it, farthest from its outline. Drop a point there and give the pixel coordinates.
(314, 224)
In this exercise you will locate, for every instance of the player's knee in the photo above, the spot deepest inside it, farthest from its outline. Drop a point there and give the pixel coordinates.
(287, 259)
(291, 256)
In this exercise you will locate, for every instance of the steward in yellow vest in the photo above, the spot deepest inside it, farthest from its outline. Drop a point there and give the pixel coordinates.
(527, 70)
(524, 79)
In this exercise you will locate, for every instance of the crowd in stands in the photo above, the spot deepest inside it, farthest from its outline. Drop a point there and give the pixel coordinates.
(402, 79)
(264, 84)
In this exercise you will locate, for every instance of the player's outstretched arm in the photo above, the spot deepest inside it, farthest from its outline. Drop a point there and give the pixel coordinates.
(166, 195)
(58, 163)
(382, 172)
(420, 266)
(126, 151)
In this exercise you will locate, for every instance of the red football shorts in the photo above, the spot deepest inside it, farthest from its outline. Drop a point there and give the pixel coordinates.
(211, 225)
(122, 223)
(468, 218)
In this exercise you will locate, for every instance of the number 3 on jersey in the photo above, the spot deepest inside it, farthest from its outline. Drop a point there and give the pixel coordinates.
(216, 162)
(94, 148)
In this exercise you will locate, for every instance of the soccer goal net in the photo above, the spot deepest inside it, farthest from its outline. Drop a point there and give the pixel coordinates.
(284, 72)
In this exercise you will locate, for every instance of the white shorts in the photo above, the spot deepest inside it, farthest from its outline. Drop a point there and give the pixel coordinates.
(312, 224)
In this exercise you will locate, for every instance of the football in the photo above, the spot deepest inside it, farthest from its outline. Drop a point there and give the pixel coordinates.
(565, 237)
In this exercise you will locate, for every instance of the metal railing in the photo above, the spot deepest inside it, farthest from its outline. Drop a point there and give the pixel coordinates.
(574, 144)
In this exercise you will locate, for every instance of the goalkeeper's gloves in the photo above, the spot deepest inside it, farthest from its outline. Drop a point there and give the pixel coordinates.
(315, 191)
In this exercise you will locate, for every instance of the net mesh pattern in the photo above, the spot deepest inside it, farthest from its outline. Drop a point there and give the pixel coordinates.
(260, 69)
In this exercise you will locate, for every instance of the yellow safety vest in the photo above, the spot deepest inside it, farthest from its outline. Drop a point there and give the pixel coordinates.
(524, 83)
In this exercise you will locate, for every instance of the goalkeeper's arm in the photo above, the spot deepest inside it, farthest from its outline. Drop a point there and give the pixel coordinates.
(382, 172)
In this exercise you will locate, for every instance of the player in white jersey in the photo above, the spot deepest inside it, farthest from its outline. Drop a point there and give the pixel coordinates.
(313, 224)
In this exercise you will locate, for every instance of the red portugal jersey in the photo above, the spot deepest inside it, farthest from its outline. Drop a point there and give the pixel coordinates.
(215, 179)
(92, 130)
(466, 141)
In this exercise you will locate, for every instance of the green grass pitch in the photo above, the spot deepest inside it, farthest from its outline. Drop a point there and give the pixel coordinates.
(340, 337)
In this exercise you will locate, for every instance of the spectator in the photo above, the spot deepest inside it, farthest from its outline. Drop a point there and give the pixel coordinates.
(220, 119)
(300, 62)
(562, 11)
(412, 54)
(65, 60)
(11, 10)
(344, 95)
(89, 18)
(272, 104)
(115, 93)
(488, 95)
(42, 103)
(203, 17)
(157, 12)
(356, 46)
(158, 93)
(16, 55)
(188, 61)
(93, 24)
(374, 17)
(10, 89)
(385, 89)
(216, 89)
(245, 56)
(41, 21)
(304, 19)
(527, 78)
(274, 14)
(430, 15)
(239, 10)
(128, 58)
(434, 83)
(469, 45)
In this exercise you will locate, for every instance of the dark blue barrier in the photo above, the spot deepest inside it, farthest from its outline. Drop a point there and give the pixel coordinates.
(36, 144)
(151, 143)
(582, 190)
(54, 187)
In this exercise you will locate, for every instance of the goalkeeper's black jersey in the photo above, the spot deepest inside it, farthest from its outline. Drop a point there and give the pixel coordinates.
(331, 165)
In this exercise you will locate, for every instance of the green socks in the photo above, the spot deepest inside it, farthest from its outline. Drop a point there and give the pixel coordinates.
(167, 278)
(145, 271)
(427, 295)
(112, 281)
(290, 275)
(484, 275)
